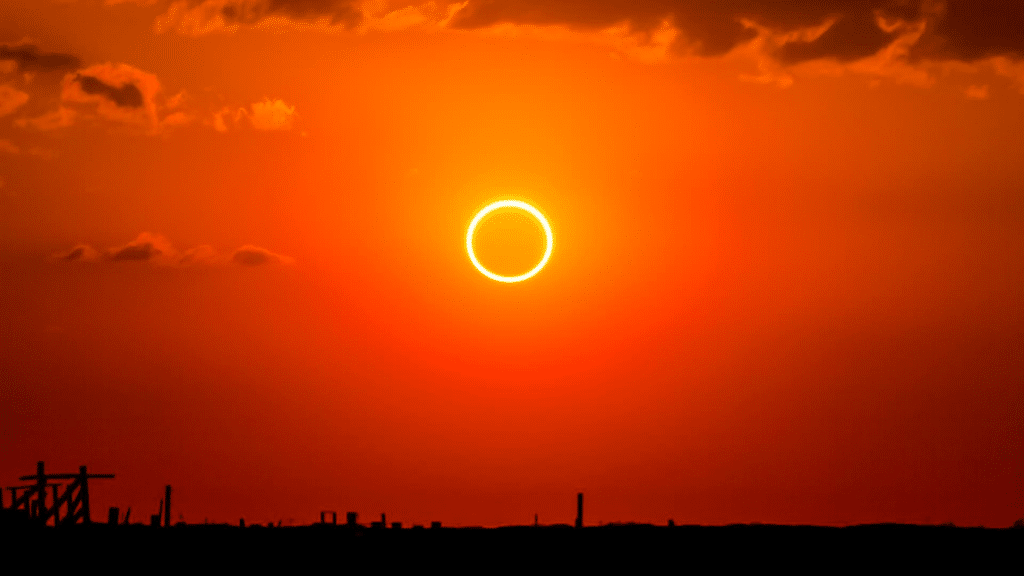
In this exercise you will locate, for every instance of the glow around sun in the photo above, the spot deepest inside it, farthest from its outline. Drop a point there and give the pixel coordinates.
(549, 237)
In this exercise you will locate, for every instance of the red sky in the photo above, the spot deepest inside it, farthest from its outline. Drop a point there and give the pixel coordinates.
(787, 281)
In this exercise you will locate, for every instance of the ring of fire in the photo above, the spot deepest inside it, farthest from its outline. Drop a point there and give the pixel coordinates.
(549, 237)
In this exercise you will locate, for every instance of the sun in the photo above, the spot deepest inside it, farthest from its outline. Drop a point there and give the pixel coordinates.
(549, 237)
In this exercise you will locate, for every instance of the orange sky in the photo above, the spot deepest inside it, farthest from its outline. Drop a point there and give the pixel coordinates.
(786, 285)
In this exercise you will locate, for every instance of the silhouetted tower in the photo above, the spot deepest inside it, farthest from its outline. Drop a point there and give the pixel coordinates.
(167, 506)
(579, 510)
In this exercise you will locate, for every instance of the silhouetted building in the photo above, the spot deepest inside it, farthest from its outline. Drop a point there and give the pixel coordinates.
(350, 518)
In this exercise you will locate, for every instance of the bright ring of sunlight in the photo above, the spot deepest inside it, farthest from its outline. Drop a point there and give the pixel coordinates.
(509, 204)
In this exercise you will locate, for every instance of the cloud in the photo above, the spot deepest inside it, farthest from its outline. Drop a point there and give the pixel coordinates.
(157, 250)
(268, 114)
(272, 115)
(249, 255)
(127, 96)
(28, 58)
(11, 99)
(198, 17)
(62, 117)
(972, 30)
(117, 92)
(977, 92)
(80, 253)
(905, 40)
(203, 254)
(145, 248)
(965, 30)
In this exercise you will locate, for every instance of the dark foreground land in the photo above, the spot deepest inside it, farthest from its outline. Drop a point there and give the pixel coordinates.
(888, 547)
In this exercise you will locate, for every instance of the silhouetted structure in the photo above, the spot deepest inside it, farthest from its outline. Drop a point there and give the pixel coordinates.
(113, 515)
(350, 518)
(74, 500)
(579, 510)
(167, 506)
(334, 517)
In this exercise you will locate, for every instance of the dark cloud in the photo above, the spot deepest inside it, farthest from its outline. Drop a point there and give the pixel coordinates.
(158, 250)
(850, 38)
(76, 253)
(974, 29)
(708, 28)
(345, 12)
(80, 253)
(30, 59)
(957, 29)
(127, 96)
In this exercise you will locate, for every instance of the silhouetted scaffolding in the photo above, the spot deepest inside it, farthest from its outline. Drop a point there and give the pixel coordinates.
(40, 509)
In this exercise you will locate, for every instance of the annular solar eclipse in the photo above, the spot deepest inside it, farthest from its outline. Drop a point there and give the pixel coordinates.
(549, 238)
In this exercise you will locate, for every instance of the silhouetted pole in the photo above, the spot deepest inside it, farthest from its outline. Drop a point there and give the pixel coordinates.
(83, 494)
(579, 510)
(56, 506)
(41, 489)
(167, 506)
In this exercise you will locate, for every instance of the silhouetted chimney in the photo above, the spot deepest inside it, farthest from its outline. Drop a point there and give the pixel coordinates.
(241, 522)
(579, 510)
(167, 506)
(350, 518)
(113, 515)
